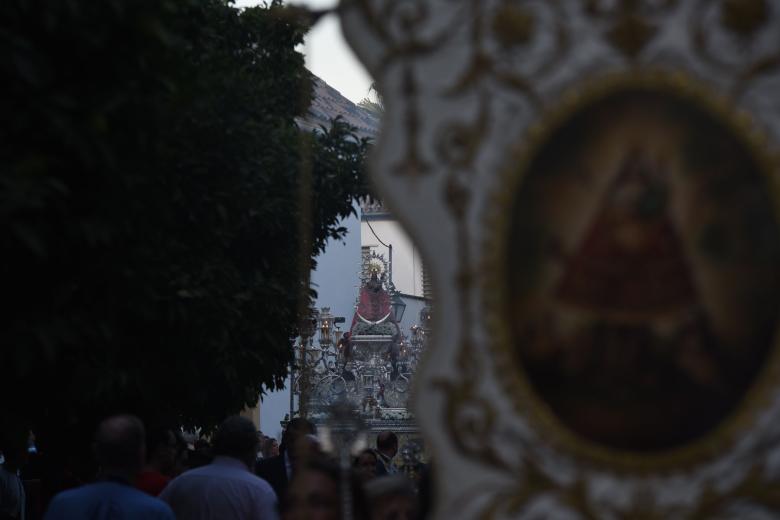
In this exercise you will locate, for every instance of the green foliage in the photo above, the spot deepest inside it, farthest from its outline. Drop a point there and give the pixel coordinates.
(377, 107)
(372, 106)
(149, 197)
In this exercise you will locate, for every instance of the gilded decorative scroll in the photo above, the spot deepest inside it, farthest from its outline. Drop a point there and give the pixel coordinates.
(475, 93)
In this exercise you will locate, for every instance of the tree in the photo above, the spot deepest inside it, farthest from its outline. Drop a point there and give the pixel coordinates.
(377, 105)
(149, 191)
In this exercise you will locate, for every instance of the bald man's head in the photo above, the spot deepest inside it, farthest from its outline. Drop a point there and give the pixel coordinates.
(120, 445)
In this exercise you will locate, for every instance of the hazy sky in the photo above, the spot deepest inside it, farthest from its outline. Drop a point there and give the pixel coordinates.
(328, 55)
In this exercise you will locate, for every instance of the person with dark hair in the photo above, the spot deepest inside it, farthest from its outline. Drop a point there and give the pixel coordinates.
(365, 464)
(161, 451)
(120, 448)
(316, 493)
(298, 440)
(226, 488)
(200, 455)
(270, 448)
(391, 497)
(386, 449)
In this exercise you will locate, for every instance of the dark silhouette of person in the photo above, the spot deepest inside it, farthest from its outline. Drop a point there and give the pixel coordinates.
(121, 451)
(227, 487)
(386, 449)
(297, 443)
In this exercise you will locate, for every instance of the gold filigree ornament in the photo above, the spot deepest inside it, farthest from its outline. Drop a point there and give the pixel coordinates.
(529, 404)
(631, 34)
(630, 22)
(742, 58)
(513, 25)
(744, 17)
(462, 80)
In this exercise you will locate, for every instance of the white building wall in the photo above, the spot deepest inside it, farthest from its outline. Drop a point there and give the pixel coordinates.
(407, 263)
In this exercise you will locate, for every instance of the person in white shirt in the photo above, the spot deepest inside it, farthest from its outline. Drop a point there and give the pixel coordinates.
(226, 488)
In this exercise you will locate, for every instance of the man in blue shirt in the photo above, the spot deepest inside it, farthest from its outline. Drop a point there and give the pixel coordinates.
(121, 451)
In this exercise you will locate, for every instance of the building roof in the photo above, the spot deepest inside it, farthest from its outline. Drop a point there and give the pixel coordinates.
(328, 103)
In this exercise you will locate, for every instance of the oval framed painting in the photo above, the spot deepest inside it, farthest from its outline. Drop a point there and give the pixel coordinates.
(633, 272)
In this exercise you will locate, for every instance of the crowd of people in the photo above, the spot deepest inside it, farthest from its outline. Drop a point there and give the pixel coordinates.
(237, 473)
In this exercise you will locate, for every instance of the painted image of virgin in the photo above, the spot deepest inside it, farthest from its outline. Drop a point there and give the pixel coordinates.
(644, 272)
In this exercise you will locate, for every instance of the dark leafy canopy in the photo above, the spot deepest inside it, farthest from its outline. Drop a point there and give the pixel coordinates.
(149, 200)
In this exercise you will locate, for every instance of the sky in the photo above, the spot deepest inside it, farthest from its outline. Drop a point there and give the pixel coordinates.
(329, 57)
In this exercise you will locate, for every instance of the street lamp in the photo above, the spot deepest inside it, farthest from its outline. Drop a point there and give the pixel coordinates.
(307, 330)
(398, 307)
(326, 326)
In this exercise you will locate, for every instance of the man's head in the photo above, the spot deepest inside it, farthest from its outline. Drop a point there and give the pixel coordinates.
(316, 493)
(387, 444)
(297, 430)
(391, 498)
(270, 447)
(120, 446)
(237, 438)
(365, 465)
